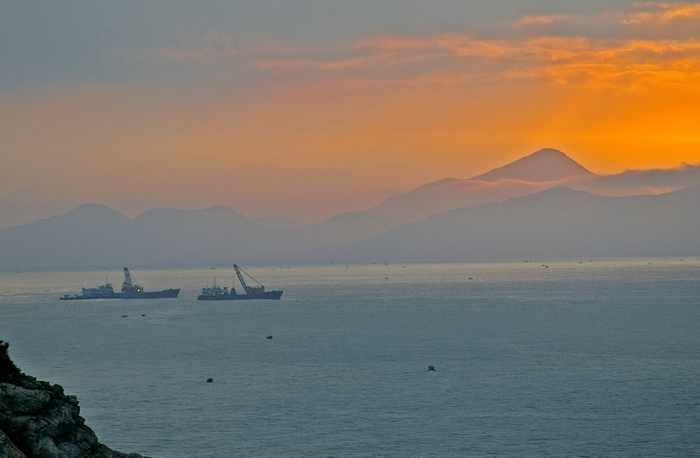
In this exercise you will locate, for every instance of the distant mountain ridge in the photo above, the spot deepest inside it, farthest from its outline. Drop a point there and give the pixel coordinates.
(555, 223)
(97, 235)
(544, 169)
(499, 214)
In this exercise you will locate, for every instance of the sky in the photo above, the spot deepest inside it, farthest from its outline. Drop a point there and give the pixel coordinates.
(309, 109)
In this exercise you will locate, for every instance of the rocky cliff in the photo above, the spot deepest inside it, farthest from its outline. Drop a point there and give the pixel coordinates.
(38, 420)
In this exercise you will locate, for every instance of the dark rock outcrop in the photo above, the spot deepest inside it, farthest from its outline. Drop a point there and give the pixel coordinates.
(38, 420)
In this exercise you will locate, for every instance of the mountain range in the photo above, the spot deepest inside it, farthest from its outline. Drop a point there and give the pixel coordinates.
(545, 169)
(544, 205)
(556, 223)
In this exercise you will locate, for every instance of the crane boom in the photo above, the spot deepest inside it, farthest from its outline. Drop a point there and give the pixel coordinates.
(128, 283)
(248, 289)
(240, 277)
(128, 286)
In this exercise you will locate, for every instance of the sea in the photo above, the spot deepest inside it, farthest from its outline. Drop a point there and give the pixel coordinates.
(530, 358)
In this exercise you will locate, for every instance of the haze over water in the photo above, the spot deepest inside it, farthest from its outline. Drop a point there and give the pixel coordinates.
(577, 358)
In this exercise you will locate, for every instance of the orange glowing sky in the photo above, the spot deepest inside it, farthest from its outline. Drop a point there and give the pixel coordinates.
(308, 123)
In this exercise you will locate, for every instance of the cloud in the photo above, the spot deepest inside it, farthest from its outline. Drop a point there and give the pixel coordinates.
(651, 12)
(641, 20)
(392, 43)
(636, 49)
(544, 19)
(631, 64)
(675, 178)
(299, 64)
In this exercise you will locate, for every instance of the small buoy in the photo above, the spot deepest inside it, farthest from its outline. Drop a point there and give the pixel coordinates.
(210, 380)
(431, 368)
(268, 337)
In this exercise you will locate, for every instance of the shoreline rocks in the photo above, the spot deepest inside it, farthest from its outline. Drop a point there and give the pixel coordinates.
(38, 420)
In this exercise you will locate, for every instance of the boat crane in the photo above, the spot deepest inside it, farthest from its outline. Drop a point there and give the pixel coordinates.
(248, 289)
(128, 285)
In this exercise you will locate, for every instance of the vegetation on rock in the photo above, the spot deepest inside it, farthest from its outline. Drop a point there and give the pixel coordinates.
(9, 372)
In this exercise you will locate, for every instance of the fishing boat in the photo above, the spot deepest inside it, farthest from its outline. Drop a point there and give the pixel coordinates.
(130, 290)
(217, 293)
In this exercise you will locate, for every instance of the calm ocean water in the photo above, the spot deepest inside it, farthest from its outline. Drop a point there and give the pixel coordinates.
(579, 358)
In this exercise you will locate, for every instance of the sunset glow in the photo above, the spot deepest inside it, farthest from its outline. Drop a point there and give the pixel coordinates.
(309, 127)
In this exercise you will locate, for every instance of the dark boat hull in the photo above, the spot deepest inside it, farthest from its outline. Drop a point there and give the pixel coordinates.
(150, 294)
(241, 297)
(142, 295)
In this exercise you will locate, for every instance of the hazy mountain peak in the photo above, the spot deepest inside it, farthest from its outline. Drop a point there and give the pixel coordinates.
(92, 208)
(92, 211)
(547, 164)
